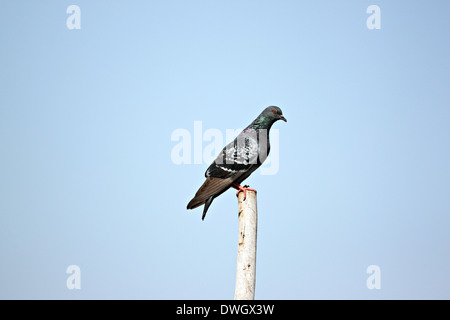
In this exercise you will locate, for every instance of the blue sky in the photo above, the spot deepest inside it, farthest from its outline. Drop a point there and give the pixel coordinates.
(87, 179)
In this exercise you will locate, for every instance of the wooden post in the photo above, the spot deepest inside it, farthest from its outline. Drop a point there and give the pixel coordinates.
(246, 257)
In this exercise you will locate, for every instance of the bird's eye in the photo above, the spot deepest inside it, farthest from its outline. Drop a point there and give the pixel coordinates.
(274, 111)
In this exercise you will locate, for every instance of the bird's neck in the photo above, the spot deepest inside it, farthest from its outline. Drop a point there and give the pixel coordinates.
(261, 123)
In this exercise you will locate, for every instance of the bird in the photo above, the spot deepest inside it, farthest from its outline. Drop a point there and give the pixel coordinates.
(238, 160)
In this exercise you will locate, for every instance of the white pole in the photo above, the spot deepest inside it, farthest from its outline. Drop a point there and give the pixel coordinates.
(246, 257)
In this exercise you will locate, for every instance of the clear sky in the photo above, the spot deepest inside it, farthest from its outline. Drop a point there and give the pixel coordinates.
(87, 177)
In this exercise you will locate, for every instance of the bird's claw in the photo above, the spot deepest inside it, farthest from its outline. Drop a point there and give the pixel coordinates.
(243, 189)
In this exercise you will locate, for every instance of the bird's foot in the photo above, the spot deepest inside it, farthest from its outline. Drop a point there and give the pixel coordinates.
(242, 189)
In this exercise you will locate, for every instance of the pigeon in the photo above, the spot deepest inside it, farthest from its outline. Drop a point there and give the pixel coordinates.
(238, 160)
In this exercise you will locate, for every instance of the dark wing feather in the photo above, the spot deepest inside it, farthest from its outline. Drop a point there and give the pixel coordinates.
(211, 187)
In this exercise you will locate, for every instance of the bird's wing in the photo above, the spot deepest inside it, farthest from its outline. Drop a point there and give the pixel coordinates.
(236, 158)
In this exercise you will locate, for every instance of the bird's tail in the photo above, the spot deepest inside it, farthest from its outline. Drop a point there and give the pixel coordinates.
(211, 188)
(194, 203)
(207, 204)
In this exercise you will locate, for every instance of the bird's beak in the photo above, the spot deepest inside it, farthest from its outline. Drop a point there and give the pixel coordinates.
(283, 118)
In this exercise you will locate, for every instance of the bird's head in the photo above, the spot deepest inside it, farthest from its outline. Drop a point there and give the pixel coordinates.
(274, 113)
(267, 118)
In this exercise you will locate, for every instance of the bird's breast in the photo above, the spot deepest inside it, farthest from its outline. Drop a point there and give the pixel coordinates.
(263, 145)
